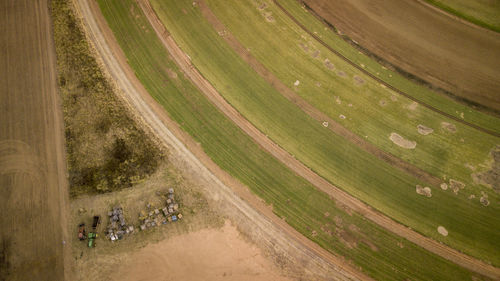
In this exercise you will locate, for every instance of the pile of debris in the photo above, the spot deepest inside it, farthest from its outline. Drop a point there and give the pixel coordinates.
(157, 216)
(118, 227)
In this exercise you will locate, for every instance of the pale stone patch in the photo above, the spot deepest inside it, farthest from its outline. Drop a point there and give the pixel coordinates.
(341, 116)
(456, 186)
(402, 142)
(425, 191)
(484, 199)
(424, 130)
(444, 186)
(449, 127)
(296, 83)
(325, 124)
(442, 230)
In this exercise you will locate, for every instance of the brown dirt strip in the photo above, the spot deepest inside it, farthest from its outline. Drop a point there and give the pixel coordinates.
(311, 110)
(445, 53)
(186, 152)
(479, 128)
(356, 205)
(34, 242)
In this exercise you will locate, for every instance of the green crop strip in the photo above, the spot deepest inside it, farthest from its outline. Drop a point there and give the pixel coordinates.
(474, 228)
(482, 13)
(370, 110)
(292, 198)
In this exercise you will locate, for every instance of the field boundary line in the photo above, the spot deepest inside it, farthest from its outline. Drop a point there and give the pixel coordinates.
(355, 204)
(190, 154)
(366, 72)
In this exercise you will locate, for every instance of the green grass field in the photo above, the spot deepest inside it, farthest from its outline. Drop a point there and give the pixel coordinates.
(474, 228)
(292, 198)
(441, 153)
(484, 13)
(419, 92)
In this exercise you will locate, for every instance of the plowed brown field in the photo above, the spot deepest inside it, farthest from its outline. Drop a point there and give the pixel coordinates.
(33, 185)
(439, 49)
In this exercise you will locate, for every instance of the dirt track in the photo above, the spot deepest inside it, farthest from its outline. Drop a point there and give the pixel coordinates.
(211, 93)
(447, 53)
(251, 214)
(34, 190)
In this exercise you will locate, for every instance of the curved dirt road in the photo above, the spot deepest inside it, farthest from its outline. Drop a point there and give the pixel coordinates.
(211, 93)
(34, 190)
(447, 53)
(273, 232)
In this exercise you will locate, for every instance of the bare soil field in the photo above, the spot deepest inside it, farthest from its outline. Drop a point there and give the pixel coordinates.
(208, 254)
(34, 200)
(446, 53)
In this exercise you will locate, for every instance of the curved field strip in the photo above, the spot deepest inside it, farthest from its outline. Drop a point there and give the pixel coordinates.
(445, 53)
(309, 211)
(211, 93)
(483, 13)
(369, 110)
(392, 79)
(326, 36)
(332, 157)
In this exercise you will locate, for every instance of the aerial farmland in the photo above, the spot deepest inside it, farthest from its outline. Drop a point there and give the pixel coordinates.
(250, 140)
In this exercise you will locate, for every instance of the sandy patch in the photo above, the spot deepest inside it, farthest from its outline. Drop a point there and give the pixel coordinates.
(304, 47)
(402, 142)
(358, 80)
(412, 106)
(449, 127)
(484, 199)
(442, 230)
(325, 124)
(424, 130)
(342, 116)
(456, 186)
(172, 74)
(426, 191)
(209, 254)
(444, 186)
(315, 54)
(329, 65)
(341, 73)
(491, 177)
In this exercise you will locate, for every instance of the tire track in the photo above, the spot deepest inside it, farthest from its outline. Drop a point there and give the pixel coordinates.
(479, 128)
(211, 93)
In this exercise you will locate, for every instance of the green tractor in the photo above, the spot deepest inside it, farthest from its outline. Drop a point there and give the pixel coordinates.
(93, 235)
